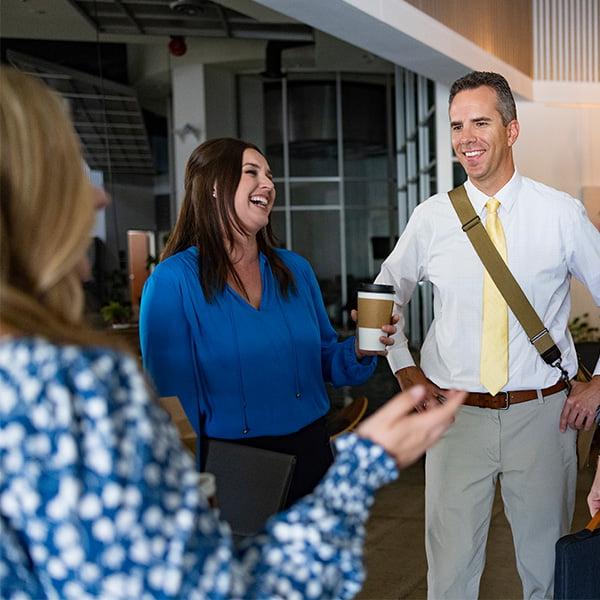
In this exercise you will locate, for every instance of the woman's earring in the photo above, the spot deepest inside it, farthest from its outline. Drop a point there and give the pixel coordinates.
(214, 194)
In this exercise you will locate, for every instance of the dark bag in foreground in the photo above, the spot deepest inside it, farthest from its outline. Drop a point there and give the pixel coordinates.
(577, 568)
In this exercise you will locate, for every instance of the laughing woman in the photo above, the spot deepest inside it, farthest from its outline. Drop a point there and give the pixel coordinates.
(235, 327)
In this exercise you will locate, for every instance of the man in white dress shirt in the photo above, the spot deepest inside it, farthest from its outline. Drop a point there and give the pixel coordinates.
(524, 434)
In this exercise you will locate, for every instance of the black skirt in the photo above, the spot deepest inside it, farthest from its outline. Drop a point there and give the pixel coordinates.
(310, 445)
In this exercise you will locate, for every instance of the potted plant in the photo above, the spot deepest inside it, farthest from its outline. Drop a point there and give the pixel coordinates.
(116, 314)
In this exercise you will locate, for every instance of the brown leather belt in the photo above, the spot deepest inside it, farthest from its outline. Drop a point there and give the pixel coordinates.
(504, 400)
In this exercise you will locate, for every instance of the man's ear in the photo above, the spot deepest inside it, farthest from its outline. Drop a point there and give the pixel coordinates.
(512, 130)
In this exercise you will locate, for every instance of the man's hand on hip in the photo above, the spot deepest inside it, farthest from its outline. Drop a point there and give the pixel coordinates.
(580, 407)
(410, 376)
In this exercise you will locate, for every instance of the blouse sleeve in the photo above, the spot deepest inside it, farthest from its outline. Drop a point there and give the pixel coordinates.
(166, 343)
(315, 549)
(116, 509)
(339, 362)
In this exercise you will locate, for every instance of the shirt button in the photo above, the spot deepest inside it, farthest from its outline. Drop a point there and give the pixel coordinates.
(298, 394)
(245, 430)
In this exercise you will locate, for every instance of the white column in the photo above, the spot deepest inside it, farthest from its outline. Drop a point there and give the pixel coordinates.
(443, 143)
(189, 116)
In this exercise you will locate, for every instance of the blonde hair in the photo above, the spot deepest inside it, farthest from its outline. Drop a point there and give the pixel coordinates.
(46, 213)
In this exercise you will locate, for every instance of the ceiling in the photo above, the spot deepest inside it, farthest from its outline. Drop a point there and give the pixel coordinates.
(201, 18)
(106, 115)
(140, 20)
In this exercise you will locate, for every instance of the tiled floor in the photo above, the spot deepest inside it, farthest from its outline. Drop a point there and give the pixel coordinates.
(395, 551)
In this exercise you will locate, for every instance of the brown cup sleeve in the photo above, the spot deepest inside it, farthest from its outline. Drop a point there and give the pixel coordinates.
(374, 313)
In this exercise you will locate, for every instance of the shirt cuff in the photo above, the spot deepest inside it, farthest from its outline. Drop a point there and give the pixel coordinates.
(400, 358)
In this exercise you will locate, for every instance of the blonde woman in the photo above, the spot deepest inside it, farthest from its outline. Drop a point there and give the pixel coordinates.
(97, 498)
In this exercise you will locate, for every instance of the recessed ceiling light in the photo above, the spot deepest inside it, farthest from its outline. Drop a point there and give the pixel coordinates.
(187, 7)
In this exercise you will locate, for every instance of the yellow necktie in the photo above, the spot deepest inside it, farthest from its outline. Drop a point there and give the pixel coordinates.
(494, 330)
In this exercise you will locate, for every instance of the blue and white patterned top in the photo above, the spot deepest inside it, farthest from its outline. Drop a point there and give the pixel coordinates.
(98, 499)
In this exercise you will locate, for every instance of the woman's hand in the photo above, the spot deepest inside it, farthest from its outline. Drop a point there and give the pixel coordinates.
(386, 340)
(404, 435)
(593, 498)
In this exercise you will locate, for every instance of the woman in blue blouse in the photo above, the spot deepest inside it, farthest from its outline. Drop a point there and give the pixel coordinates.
(97, 497)
(235, 327)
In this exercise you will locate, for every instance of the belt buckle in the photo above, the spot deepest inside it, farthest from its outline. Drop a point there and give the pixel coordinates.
(506, 401)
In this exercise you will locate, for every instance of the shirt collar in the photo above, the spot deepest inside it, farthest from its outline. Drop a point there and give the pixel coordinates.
(507, 196)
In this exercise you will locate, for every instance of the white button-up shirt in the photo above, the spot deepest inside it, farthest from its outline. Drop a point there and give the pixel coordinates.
(549, 238)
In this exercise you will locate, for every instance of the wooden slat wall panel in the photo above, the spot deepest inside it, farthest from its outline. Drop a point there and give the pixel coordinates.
(503, 28)
(566, 40)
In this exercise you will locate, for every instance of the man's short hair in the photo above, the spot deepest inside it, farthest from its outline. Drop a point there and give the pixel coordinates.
(505, 101)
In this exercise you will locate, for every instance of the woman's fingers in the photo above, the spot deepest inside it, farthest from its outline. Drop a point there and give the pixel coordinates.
(440, 412)
(406, 436)
(402, 404)
(394, 409)
(453, 399)
(390, 328)
(386, 341)
(417, 432)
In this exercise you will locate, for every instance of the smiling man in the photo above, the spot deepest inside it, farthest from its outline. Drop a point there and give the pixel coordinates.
(517, 426)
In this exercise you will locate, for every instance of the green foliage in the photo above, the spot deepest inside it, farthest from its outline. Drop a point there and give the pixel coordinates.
(117, 287)
(582, 331)
(151, 261)
(117, 308)
(115, 313)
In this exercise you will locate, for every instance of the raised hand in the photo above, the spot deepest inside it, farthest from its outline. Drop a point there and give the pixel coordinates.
(404, 435)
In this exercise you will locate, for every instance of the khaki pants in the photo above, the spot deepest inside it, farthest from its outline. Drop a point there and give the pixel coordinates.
(537, 468)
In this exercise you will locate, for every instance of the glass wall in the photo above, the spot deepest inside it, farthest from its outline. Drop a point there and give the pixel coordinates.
(346, 180)
(416, 160)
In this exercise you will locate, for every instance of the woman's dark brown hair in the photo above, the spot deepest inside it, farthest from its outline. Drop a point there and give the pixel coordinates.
(210, 223)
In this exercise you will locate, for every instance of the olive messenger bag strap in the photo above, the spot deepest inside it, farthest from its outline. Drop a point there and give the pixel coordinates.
(494, 264)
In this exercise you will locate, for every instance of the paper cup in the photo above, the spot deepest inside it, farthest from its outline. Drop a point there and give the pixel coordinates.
(375, 305)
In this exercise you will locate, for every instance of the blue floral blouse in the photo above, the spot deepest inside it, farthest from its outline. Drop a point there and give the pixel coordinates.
(98, 499)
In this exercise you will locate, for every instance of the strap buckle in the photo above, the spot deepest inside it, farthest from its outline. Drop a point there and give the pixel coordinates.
(563, 375)
(471, 223)
(537, 336)
(506, 401)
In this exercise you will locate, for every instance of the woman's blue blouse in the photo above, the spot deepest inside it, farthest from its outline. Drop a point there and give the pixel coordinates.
(99, 500)
(237, 370)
